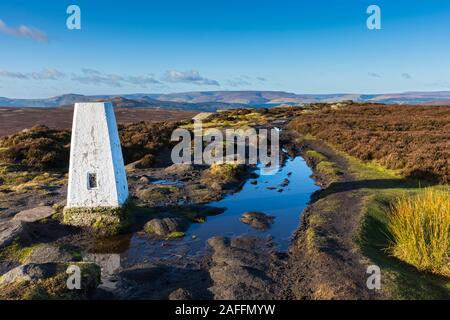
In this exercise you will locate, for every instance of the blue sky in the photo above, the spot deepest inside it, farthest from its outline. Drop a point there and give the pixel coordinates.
(171, 46)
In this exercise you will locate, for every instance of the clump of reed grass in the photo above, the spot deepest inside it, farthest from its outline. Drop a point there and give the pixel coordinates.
(420, 227)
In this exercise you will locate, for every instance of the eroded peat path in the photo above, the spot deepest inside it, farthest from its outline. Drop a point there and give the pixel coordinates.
(324, 260)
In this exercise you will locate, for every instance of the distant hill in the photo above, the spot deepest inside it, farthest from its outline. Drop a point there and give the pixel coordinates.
(213, 100)
(125, 101)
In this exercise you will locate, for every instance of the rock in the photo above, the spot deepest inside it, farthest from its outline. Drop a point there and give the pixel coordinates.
(241, 268)
(28, 272)
(179, 168)
(48, 281)
(109, 263)
(145, 194)
(254, 182)
(60, 204)
(285, 183)
(163, 227)
(9, 230)
(35, 214)
(46, 253)
(215, 186)
(132, 166)
(144, 179)
(257, 220)
(180, 294)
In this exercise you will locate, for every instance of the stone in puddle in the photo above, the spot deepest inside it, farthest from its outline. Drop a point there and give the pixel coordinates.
(35, 214)
(9, 230)
(284, 183)
(162, 227)
(257, 220)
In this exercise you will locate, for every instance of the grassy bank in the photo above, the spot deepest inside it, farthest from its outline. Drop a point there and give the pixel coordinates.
(378, 189)
(400, 280)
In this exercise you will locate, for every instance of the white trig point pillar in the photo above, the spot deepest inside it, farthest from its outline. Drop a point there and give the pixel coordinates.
(97, 178)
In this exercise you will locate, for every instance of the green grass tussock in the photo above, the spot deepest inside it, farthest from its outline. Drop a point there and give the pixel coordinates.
(420, 228)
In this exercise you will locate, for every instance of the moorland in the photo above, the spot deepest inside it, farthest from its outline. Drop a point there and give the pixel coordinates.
(375, 165)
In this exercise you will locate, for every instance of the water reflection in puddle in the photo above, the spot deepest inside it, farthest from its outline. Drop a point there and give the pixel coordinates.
(271, 194)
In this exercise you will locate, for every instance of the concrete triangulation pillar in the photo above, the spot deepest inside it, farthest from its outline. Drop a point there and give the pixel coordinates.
(97, 189)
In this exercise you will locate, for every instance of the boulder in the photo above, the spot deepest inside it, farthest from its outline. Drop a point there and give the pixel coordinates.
(144, 180)
(257, 220)
(241, 268)
(28, 272)
(46, 253)
(145, 194)
(9, 230)
(163, 227)
(48, 281)
(179, 168)
(285, 183)
(35, 214)
(180, 294)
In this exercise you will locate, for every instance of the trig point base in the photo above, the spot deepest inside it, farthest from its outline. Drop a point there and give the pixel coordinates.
(97, 189)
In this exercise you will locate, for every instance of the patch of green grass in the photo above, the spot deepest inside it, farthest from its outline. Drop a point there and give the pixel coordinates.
(72, 250)
(420, 227)
(16, 252)
(168, 187)
(175, 235)
(315, 156)
(21, 181)
(399, 280)
(314, 241)
(149, 229)
(329, 169)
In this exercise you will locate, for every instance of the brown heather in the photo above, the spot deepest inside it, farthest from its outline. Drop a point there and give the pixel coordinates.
(414, 139)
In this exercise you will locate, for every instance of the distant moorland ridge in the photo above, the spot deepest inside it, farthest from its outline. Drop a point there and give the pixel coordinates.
(214, 100)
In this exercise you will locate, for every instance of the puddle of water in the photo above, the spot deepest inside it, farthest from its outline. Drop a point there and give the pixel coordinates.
(285, 206)
(167, 182)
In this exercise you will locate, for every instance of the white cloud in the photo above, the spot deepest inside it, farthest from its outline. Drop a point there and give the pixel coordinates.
(92, 76)
(374, 75)
(142, 80)
(406, 76)
(11, 74)
(239, 82)
(23, 32)
(190, 76)
(45, 74)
